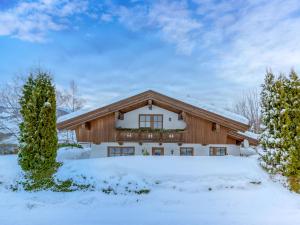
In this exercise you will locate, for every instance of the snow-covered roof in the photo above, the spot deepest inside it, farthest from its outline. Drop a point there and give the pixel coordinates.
(249, 134)
(74, 114)
(179, 96)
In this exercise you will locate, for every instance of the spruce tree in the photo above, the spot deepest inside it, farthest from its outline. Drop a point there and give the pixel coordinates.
(269, 136)
(38, 135)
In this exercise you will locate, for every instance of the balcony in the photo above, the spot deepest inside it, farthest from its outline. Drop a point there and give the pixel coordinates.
(160, 136)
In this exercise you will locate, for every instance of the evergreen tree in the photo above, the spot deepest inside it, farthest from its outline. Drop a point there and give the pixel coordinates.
(270, 115)
(281, 119)
(38, 135)
(292, 133)
(27, 127)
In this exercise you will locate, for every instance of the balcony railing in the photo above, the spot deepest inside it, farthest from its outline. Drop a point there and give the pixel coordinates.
(150, 136)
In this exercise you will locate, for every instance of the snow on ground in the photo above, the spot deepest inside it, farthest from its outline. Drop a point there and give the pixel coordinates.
(73, 153)
(183, 191)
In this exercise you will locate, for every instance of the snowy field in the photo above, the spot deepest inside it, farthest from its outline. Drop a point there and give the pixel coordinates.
(183, 191)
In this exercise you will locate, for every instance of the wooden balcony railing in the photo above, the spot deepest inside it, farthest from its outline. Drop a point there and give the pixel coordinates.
(150, 136)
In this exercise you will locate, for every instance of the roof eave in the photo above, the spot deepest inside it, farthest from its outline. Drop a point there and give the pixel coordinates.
(150, 94)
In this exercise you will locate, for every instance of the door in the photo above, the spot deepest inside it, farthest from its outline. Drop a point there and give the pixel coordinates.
(157, 151)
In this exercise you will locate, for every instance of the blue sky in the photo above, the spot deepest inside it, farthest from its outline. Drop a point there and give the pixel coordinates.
(210, 49)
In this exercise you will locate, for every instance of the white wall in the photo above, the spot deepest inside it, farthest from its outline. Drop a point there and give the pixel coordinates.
(131, 119)
(199, 150)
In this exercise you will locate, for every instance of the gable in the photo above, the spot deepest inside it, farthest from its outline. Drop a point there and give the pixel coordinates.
(226, 119)
(131, 119)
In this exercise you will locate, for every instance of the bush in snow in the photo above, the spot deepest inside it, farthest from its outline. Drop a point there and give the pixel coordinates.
(73, 145)
(38, 135)
(145, 152)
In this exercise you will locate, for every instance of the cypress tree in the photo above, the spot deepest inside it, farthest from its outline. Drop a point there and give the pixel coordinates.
(292, 134)
(282, 122)
(38, 135)
(27, 127)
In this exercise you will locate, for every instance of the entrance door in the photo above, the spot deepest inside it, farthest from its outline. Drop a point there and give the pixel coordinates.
(157, 151)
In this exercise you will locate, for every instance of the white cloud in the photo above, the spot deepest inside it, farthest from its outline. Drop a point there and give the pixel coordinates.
(30, 21)
(106, 17)
(176, 24)
(240, 38)
(172, 19)
(265, 35)
(244, 37)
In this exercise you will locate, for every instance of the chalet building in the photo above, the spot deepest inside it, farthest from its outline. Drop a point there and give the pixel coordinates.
(156, 124)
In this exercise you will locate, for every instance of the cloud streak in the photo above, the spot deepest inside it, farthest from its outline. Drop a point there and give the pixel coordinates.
(209, 48)
(243, 37)
(31, 21)
(259, 35)
(172, 19)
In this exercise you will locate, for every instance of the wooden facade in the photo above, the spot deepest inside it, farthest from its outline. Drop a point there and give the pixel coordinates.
(201, 131)
(198, 131)
(101, 130)
(202, 127)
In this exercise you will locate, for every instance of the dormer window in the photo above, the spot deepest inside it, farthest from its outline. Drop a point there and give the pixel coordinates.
(153, 121)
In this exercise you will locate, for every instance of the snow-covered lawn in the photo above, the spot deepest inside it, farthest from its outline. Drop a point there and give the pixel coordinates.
(183, 190)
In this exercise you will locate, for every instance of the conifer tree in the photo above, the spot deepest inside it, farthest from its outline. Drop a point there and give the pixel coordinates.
(281, 120)
(292, 133)
(27, 127)
(270, 114)
(38, 135)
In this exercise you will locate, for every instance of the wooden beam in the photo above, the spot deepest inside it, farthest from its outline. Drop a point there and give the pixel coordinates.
(218, 128)
(150, 104)
(87, 125)
(119, 115)
(180, 117)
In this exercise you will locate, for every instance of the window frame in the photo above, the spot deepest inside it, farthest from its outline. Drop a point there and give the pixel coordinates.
(185, 148)
(217, 149)
(121, 150)
(161, 149)
(152, 121)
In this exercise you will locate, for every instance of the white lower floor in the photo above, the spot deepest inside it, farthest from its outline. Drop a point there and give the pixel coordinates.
(132, 148)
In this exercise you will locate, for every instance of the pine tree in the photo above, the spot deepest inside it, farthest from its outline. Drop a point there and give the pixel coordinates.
(269, 136)
(38, 136)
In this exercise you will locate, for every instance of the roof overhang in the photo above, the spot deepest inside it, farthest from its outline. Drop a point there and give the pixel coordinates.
(241, 137)
(156, 98)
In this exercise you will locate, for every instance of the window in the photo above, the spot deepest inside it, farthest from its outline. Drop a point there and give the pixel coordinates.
(120, 151)
(217, 151)
(157, 151)
(157, 121)
(187, 151)
(151, 121)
